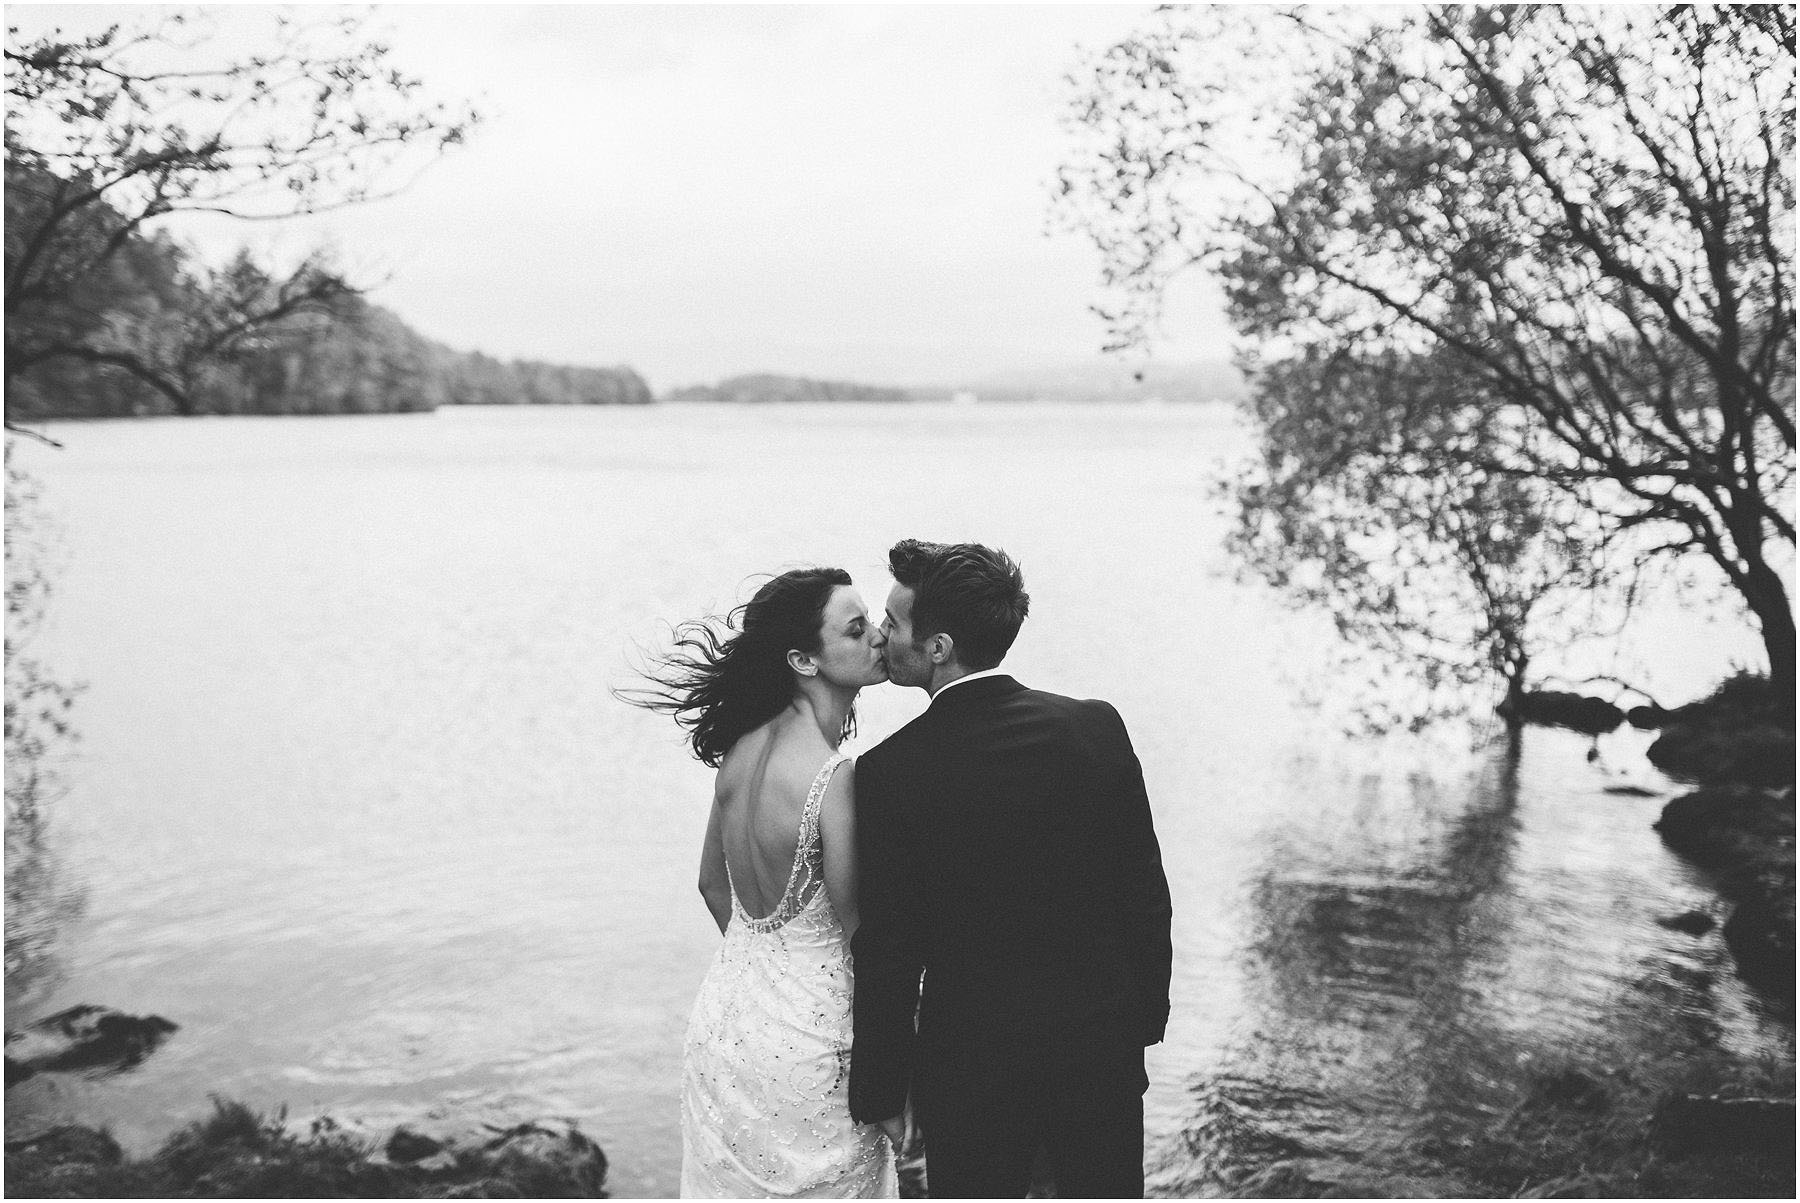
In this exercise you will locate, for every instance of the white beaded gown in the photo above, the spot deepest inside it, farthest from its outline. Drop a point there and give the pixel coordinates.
(765, 1081)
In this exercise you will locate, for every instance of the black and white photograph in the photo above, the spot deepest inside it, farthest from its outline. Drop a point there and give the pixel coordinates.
(900, 601)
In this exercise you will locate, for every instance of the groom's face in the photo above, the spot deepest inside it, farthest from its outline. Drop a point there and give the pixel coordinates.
(907, 663)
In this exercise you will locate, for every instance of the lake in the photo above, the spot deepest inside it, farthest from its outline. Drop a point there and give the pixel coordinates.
(354, 806)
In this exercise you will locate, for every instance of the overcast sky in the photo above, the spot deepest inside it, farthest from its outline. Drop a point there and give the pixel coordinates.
(846, 191)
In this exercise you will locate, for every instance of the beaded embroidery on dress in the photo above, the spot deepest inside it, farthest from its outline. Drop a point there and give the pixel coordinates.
(765, 1079)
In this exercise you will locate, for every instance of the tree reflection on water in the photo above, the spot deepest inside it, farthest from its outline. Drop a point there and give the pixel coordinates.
(39, 899)
(1411, 989)
(40, 903)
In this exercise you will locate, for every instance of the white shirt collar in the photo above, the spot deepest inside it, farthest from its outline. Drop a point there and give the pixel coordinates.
(974, 676)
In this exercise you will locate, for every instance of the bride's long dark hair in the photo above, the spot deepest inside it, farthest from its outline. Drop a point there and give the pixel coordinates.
(725, 677)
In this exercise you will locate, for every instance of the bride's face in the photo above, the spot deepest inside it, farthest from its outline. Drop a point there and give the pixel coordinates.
(849, 644)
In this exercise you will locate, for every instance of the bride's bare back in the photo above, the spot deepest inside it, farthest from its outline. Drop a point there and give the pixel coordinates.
(760, 796)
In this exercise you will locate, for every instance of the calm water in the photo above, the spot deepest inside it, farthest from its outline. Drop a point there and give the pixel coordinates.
(354, 807)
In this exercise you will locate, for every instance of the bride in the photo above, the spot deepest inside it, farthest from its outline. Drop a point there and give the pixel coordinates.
(765, 1071)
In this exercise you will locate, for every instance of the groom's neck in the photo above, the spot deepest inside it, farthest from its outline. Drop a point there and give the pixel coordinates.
(943, 674)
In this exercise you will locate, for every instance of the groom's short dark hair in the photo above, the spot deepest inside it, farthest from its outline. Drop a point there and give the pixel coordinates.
(974, 594)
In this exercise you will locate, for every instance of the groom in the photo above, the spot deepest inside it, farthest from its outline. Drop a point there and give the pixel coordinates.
(1007, 856)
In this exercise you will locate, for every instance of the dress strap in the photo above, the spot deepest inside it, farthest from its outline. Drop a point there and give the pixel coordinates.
(808, 869)
(815, 797)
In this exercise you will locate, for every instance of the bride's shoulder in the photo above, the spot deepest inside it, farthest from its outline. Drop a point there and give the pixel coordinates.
(795, 757)
(739, 756)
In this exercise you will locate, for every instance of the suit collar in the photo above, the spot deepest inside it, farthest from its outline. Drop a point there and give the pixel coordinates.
(964, 691)
(966, 679)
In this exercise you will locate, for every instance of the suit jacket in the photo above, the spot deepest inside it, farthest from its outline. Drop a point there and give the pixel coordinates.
(1007, 856)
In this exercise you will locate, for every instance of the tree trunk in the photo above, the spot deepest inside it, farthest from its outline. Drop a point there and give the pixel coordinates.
(1512, 706)
(1768, 600)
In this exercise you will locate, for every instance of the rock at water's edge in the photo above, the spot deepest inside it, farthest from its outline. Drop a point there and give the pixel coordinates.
(83, 1037)
(1746, 836)
(406, 1146)
(1693, 923)
(1726, 828)
(1688, 1124)
(1552, 708)
(1719, 753)
(1760, 934)
(549, 1144)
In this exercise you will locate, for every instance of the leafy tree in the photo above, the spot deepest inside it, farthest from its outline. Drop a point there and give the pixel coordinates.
(108, 134)
(1377, 518)
(1575, 222)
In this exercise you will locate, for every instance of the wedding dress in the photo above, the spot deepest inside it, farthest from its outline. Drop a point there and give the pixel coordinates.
(765, 1108)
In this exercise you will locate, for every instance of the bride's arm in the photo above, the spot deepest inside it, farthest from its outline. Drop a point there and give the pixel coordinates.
(837, 831)
(715, 886)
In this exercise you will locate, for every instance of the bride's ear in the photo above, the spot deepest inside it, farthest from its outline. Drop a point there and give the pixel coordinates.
(802, 663)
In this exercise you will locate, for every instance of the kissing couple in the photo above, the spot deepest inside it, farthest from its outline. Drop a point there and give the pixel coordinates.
(990, 870)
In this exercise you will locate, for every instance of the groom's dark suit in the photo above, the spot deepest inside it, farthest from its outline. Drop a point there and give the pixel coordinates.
(1006, 853)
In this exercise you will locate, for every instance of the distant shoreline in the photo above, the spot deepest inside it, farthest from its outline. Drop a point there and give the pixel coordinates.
(449, 379)
(999, 402)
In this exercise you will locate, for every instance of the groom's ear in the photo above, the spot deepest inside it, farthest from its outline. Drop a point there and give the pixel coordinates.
(942, 649)
(803, 664)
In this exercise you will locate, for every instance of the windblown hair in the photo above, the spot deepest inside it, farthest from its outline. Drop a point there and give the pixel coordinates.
(974, 594)
(725, 677)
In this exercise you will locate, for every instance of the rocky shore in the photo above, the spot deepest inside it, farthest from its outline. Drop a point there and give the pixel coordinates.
(1737, 747)
(237, 1153)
